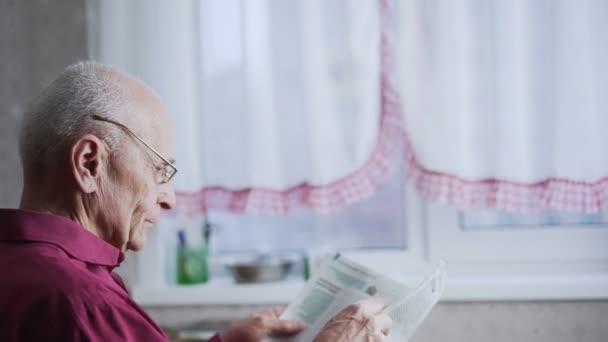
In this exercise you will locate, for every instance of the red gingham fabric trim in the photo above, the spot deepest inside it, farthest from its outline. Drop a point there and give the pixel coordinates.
(551, 193)
(354, 187)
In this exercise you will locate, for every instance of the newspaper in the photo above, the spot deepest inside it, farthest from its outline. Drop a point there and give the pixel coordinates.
(340, 282)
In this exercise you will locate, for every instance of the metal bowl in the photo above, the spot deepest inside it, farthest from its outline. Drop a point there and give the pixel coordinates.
(262, 269)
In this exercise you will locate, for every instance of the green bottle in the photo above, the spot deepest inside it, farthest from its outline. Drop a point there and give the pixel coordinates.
(191, 262)
(307, 271)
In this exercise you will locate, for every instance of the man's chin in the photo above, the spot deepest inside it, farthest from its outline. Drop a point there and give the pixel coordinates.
(137, 244)
(138, 239)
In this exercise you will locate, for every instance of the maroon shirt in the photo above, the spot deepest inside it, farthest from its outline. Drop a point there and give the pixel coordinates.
(57, 284)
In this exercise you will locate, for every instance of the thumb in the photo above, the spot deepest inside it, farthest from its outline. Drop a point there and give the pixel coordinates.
(371, 306)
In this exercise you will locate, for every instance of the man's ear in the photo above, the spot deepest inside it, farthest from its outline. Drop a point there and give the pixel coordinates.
(86, 161)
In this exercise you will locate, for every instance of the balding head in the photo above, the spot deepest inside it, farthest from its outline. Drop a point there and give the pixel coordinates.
(61, 113)
(109, 177)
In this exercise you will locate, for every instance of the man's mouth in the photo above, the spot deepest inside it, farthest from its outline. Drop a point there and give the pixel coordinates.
(149, 223)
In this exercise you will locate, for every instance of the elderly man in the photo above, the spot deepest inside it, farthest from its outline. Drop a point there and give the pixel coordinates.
(97, 156)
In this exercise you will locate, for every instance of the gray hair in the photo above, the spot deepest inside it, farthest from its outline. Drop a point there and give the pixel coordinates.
(61, 113)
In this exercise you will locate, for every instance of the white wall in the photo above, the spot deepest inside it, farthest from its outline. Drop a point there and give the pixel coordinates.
(456, 322)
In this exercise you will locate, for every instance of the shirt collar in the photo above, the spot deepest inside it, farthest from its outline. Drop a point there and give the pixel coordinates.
(22, 225)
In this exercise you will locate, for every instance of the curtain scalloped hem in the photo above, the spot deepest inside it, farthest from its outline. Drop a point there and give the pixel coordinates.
(549, 194)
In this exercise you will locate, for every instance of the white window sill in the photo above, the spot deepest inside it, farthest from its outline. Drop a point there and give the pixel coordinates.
(587, 286)
(219, 292)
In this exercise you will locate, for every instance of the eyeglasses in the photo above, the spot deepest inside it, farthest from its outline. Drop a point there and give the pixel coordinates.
(165, 173)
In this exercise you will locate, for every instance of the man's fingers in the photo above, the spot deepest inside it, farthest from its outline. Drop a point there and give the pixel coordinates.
(277, 327)
(371, 306)
(380, 323)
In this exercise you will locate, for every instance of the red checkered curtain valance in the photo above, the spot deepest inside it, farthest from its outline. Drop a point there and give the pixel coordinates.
(292, 108)
(505, 102)
(497, 104)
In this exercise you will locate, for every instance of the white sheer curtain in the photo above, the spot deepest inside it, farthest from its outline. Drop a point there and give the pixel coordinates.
(283, 104)
(289, 90)
(505, 103)
(276, 104)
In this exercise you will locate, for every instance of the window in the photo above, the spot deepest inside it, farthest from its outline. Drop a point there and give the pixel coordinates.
(490, 255)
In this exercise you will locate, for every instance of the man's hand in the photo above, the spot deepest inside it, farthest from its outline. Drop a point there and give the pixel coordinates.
(360, 322)
(261, 325)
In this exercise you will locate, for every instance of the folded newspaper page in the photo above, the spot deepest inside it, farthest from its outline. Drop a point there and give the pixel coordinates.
(340, 282)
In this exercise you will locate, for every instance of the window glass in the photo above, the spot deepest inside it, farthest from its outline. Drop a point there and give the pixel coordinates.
(377, 222)
(492, 219)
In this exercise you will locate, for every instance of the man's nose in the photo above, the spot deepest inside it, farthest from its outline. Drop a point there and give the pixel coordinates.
(166, 196)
